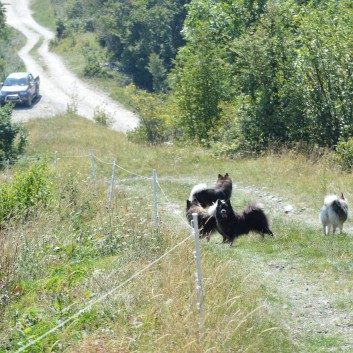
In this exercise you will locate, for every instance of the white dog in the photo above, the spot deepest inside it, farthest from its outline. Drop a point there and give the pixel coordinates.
(334, 213)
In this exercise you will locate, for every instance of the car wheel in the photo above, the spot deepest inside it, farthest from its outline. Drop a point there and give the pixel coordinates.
(29, 102)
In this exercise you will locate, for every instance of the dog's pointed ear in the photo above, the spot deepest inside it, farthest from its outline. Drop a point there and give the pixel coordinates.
(228, 202)
(220, 176)
(226, 175)
(188, 203)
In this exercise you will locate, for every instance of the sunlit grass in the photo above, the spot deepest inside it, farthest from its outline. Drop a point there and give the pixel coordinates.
(43, 13)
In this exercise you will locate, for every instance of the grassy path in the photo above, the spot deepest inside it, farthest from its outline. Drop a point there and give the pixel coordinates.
(306, 279)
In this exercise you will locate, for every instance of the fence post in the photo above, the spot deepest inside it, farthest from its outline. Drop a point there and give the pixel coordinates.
(7, 169)
(155, 206)
(93, 167)
(55, 159)
(198, 275)
(112, 183)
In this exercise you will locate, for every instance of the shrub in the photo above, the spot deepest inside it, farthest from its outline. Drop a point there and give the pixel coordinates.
(13, 136)
(153, 127)
(101, 117)
(92, 67)
(25, 192)
(344, 154)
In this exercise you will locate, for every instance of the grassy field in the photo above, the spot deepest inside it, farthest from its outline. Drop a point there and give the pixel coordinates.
(115, 284)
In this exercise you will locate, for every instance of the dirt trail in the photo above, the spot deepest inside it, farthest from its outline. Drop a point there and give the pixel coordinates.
(309, 302)
(59, 86)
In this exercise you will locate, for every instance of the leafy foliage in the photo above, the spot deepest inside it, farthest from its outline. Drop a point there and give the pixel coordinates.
(142, 36)
(153, 127)
(344, 154)
(199, 87)
(9, 39)
(13, 136)
(93, 67)
(2, 16)
(284, 66)
(101, 117)
(27, 189)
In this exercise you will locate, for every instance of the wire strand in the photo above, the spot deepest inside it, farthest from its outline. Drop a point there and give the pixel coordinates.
(100, 299)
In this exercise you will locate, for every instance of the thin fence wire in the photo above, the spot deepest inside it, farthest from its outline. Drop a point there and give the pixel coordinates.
(135, 275)
(103, 297)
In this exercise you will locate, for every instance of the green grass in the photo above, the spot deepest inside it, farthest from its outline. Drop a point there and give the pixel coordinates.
(44, 14)
(276, 295)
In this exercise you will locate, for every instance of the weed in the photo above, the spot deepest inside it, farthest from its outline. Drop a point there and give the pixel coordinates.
(101, 117)
(72, 105)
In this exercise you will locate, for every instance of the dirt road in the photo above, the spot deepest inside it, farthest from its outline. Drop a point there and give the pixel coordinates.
(59, 86)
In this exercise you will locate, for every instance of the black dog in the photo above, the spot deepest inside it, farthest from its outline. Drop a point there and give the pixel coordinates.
(208, 196)
(207, 222)
(231, 224)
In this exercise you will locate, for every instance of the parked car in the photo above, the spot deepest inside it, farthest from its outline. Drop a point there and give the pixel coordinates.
(19, 87)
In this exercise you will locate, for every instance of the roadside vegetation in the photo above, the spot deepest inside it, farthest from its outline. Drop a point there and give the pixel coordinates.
(10, 42)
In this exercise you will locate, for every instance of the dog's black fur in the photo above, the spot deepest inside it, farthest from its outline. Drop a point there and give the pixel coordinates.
(231, 224)
(208, 196)
(207, 222)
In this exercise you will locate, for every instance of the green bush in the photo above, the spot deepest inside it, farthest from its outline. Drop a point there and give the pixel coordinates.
(153, 127)
(92, 67)
(13, 136)
(344, 154)
(25, 192)
(101, 117)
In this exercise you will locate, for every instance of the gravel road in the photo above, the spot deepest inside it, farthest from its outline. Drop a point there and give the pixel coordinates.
(59, 86)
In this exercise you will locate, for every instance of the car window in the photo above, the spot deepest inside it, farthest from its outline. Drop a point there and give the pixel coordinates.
(10, 82)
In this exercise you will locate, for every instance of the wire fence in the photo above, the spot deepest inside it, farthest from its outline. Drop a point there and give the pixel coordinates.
(193, 233)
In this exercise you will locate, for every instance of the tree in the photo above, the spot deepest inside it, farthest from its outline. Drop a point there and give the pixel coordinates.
(267, 79)
(200, 83)
(286, 66)
(157, 70)
(202, 79)
(13, 136)
(326, 33)
(2, 16)
(133, 31)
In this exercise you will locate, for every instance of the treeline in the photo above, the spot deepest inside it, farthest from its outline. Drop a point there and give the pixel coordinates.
(9, 41)
(239, 75)
(13, 135)
(142, 36)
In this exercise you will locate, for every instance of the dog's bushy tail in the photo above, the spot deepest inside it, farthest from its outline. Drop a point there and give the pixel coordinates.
(197, 188)
(256, 219)
(341, 209)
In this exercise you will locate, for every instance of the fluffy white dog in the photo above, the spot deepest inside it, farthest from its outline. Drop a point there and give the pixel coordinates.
(334, 213)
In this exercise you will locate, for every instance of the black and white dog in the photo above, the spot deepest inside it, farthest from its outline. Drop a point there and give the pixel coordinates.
(208, 196)
(333, 213)
(205, 217)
